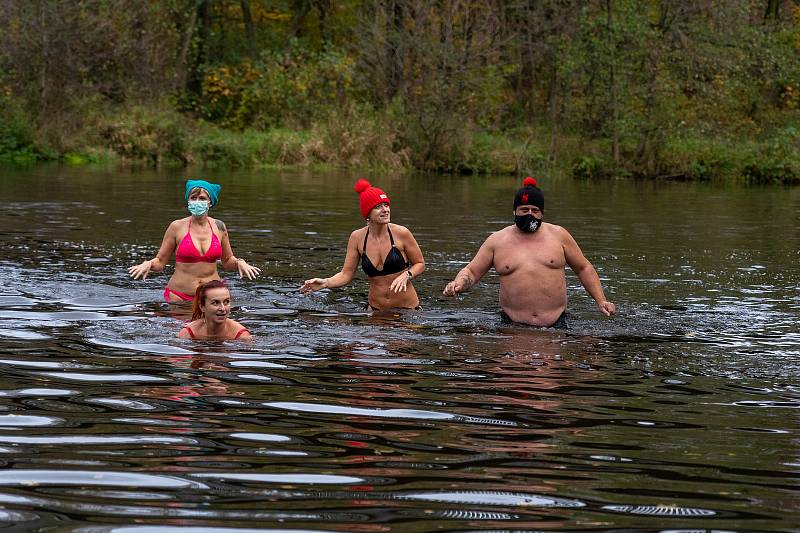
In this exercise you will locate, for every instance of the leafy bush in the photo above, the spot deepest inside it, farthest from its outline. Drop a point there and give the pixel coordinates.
(778, 161)
(589, 167)
(147, 134)
(292, 88)
(16, 132)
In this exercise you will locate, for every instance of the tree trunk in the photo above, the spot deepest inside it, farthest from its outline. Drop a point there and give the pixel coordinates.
(325, 28)
(183, 56)
(553, 98)
(249, 30)
(772, 11)
(43, 24)
(612, 82)
(301, 9)
(394, 60)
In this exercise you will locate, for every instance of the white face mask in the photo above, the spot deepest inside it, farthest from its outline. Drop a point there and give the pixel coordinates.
(198, 207)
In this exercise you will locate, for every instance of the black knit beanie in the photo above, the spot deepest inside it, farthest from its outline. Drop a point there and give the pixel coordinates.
(529, 194)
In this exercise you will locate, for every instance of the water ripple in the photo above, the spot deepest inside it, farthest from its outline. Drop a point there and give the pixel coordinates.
(24, 478)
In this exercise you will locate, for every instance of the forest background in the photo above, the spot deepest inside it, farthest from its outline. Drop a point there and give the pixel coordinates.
(681, 89)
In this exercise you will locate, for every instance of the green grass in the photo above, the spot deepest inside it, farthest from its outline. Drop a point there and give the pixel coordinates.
(157, 135)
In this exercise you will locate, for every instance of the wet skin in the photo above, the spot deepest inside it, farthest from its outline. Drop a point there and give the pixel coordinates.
(188, 276)
(216, 323)
(533, 287)
(385, 292)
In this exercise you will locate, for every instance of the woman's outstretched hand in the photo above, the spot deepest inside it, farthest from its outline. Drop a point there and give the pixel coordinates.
(313, 284)
(141, 270)
(247, 271)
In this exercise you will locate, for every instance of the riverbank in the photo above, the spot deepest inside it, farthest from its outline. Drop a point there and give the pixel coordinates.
(160, 136)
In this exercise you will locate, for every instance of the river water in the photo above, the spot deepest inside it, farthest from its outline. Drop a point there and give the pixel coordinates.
(679, 414)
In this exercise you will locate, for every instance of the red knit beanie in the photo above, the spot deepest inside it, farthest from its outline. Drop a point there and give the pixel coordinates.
(369, 196)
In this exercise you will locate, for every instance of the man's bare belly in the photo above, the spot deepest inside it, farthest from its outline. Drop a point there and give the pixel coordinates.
(535, 298)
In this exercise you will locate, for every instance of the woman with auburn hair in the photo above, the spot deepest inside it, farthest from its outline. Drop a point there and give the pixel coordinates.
(198, 242)
(388, 253)
(211, 311)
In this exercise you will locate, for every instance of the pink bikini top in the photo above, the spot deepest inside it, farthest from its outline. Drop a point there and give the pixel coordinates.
(238, 333)
(187, 251)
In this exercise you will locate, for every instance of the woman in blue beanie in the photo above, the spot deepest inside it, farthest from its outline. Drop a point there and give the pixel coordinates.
(198, 242)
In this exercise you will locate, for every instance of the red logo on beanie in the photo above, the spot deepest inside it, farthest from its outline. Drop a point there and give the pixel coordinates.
(524, 199)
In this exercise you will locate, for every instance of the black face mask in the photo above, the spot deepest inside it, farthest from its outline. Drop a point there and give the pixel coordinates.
(527, 223)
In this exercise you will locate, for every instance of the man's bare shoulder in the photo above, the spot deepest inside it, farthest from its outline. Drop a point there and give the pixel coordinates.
(497, 239)
(501, 235)
(557, 231)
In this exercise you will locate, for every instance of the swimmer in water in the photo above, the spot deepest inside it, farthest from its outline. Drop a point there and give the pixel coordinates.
(198, 242)
(388, 253)
(211, 311)
(530, 257)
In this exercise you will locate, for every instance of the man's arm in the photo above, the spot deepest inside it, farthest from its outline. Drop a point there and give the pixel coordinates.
(586, 273)
(474, 271)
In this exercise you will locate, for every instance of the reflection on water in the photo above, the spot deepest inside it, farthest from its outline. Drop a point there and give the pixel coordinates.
(678, 414)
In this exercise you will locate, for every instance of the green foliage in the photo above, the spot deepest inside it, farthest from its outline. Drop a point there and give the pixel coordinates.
(652, 89)
(591, 167)
(778, 160)
(486, 152)
(16, 132)
(360, 138)
(144, 134)
(223, 148)
(293, 88)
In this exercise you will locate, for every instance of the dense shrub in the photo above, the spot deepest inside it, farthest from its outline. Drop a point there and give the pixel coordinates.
(291, 88)
(16, 133)
(146, 134)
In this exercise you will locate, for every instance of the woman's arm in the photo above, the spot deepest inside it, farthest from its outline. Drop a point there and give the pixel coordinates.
(229, 261)
(161, 259)
(413, 255)
(341, 278)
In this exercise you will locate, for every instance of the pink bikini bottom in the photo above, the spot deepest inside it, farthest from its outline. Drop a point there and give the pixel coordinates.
(183, 296)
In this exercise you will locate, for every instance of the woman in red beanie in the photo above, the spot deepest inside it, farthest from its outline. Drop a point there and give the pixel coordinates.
(388, 253)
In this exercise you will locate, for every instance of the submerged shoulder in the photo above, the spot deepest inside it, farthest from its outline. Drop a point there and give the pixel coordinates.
(239, 331)
(190, 329)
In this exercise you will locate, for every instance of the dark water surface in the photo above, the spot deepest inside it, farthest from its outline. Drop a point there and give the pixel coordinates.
(679, 414)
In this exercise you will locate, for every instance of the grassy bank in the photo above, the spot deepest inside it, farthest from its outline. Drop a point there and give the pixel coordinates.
(160, 136)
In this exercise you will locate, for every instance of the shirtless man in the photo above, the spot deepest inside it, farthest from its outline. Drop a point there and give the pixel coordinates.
(530, 257)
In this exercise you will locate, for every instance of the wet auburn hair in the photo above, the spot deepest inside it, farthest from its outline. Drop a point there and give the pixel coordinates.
(200, 296)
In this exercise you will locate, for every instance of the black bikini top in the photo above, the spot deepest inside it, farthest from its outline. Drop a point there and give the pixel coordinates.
(394, 262)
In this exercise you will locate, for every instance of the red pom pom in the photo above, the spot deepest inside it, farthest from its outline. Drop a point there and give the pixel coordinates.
(362, 185)
(529, 182)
